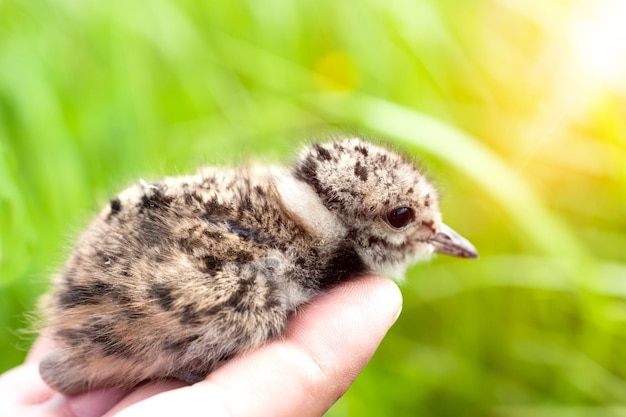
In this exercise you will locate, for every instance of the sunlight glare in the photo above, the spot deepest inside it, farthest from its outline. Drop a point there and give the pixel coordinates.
(598, 35)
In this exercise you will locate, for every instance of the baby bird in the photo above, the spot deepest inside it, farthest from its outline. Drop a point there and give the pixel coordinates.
(174, 278)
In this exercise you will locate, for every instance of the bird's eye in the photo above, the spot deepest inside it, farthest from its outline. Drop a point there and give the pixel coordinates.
(400, 217)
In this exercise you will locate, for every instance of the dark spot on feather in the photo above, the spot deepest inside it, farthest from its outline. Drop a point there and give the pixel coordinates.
(69, 275)
(213, 209)
(99, 333)
(245, 205)
(240, 256)
(163, 296)
(106, 291)
(360, 171)
(272, 296)
(180, 344)
(238, 296)
(153, 231)
(358, 196)
(207, 182)
(272, 303)
(154, 200)
(104, 340)
(208, 312)
(211, 264)
(237, 228)
(191, 197)
(134, 313)
(344, 264)
(116, 206)
(374, 241)
(189, 315)
(73, 337)
(189, 376)
(259, 190)
(121, 295)
(212, 235)
(107, 258)
(362, 150)
(323, 154)
(306, 171)
(77, 295)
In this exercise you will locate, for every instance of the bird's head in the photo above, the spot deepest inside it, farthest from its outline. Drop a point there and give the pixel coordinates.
(386, 204)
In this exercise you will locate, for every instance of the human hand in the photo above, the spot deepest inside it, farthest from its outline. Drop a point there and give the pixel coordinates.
(327, 344)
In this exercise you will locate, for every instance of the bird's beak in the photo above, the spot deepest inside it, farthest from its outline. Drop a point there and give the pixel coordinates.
(449, 242)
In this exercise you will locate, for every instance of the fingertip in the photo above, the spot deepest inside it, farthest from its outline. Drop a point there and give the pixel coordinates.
(368, 301)
(23, 386)
(383, 293)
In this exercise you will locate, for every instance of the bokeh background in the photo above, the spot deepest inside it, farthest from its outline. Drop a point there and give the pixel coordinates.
(516, 108)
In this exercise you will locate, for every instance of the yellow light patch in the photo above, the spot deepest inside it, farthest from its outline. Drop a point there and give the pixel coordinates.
(335, 71)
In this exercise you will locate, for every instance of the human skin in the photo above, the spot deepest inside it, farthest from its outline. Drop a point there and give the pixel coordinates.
(328, 343)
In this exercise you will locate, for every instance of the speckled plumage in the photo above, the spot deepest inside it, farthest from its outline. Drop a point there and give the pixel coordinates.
(173, 278)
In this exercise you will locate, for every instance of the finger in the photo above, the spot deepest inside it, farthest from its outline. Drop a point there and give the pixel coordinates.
(144, 392)
(23, 390)
(327, 346)
(328, 343)
(23, 386)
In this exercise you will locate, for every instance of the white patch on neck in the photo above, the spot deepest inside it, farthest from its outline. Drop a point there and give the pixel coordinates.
(397, 271)
(305, 205)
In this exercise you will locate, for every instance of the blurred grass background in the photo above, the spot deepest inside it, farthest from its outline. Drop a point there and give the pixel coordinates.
(516, 108)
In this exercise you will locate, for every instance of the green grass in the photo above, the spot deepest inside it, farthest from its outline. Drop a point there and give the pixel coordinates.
(530, 152)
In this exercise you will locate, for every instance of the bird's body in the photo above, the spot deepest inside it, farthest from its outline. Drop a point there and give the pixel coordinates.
(173, 278)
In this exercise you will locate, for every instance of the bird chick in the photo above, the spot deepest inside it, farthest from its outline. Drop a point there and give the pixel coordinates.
(173, 278)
